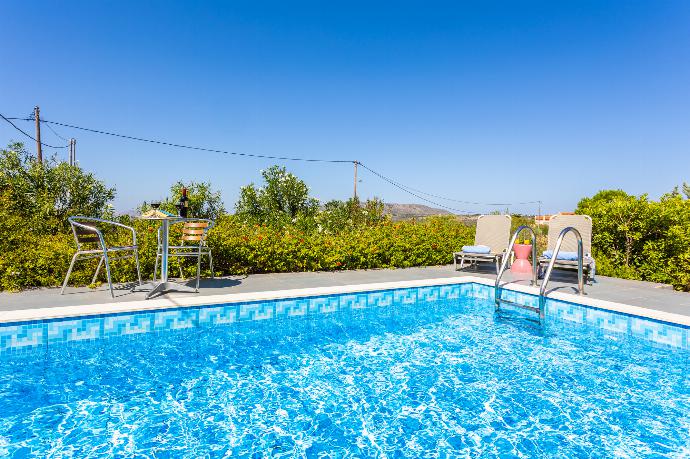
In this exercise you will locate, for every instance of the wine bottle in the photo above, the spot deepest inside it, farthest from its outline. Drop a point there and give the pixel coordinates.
(184, 204)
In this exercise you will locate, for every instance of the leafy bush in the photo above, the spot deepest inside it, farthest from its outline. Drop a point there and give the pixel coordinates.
(44, 195)
(636, 238)
(260, 248)
(239, 248)
(338, 216)
(283, 200)
(280, 228)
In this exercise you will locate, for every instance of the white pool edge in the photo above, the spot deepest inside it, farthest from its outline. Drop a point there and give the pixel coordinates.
(26, 315)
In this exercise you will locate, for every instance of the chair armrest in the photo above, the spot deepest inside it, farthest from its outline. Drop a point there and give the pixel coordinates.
(74, 221)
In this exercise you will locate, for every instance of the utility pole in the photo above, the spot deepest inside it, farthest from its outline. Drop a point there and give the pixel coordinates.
(355, 163)
(72, 152)
(39, 155)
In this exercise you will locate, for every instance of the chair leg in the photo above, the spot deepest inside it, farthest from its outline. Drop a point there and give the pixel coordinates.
(198, 270)
(455, 262)
(210, 262)
(462, 262)
(107, 270)
(69, 271)
(98, 269)
(136, 261)
(498, 268)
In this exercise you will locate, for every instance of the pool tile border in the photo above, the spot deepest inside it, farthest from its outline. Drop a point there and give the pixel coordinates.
(26, 315)
(31, 334)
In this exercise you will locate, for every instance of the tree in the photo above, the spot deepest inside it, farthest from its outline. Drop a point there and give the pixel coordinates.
(283, 199)
(337, 216)
(46, 194)
(636, 238)
(622, 224)
(204, 202)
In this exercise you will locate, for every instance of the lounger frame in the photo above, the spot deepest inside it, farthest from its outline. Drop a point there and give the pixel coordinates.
(493, 231)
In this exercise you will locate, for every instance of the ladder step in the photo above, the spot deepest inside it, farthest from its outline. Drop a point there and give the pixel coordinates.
(522, 306)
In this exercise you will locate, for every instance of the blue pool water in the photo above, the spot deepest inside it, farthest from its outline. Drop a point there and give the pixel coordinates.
(410, 373)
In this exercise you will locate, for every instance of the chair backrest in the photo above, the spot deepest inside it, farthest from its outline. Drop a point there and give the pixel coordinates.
(582, 223)
(493, 231)
(85, 230)
(195, 231)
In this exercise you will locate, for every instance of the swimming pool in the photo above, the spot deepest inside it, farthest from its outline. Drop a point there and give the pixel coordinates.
(412, 372)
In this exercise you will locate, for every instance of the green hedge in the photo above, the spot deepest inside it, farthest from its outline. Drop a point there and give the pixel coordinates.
(42, 261)
(636, 238)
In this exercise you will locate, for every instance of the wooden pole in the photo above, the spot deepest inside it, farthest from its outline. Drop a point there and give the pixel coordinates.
(39, 152)
(355, 180)
(72, 152)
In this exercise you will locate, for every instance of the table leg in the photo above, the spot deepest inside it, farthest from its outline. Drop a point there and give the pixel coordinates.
(165, 284)
(164, 257)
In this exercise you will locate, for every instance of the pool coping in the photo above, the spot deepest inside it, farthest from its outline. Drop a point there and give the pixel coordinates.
(28, 315)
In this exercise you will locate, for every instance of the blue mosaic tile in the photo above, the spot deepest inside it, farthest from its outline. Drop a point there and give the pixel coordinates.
(175, 319)
(74, 330)
(355, 301)
(257, 311)
(219, 315)
(324, 305)
(380, 299)
(30, 335)
(449, 292)
(128, 324)
(405, 296)
(289, 308)
(428, 294)
(22, 336)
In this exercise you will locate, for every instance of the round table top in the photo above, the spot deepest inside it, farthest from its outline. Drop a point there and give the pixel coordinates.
(158, 217)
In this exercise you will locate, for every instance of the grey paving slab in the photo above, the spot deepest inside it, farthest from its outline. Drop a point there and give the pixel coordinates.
(635, 293)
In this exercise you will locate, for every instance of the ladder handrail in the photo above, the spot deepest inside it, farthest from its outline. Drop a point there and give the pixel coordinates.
(504, 264)
(554, 255)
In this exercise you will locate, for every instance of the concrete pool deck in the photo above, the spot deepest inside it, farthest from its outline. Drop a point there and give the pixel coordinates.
(646, 299)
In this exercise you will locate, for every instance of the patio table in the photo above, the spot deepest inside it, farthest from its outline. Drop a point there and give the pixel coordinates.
(165, 285)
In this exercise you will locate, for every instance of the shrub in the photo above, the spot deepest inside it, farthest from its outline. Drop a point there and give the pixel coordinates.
(240, 248)
(284, 199)
(44, 195)
(338, 216)
(636, 238)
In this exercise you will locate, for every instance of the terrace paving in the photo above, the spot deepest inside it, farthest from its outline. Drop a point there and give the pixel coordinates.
(635, 293)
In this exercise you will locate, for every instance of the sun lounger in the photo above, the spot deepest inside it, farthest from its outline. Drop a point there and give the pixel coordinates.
(567, 256)
(490, 242)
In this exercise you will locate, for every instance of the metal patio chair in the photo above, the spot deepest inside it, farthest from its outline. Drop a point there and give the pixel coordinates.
(91, 244)
(193, 230)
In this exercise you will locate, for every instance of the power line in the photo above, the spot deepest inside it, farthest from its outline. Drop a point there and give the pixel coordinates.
(412, 191)
(406, 190)
(189, 147)
(27, 134)
(54, 132)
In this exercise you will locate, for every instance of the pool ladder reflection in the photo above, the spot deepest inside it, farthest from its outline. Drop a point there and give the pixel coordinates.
(540, 309)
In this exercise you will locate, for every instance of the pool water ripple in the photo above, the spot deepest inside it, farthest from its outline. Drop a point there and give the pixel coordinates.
(442, 379)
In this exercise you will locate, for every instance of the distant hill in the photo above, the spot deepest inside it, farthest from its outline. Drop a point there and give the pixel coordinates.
(405, 211)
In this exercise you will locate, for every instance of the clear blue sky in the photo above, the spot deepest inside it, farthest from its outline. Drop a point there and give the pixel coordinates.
(478, 101)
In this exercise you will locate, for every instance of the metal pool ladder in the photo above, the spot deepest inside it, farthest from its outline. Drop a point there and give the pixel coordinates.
(542, 290)
(549, 269)
(504, 265)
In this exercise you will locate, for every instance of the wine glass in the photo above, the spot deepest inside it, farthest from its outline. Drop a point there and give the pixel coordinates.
(156, 204)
